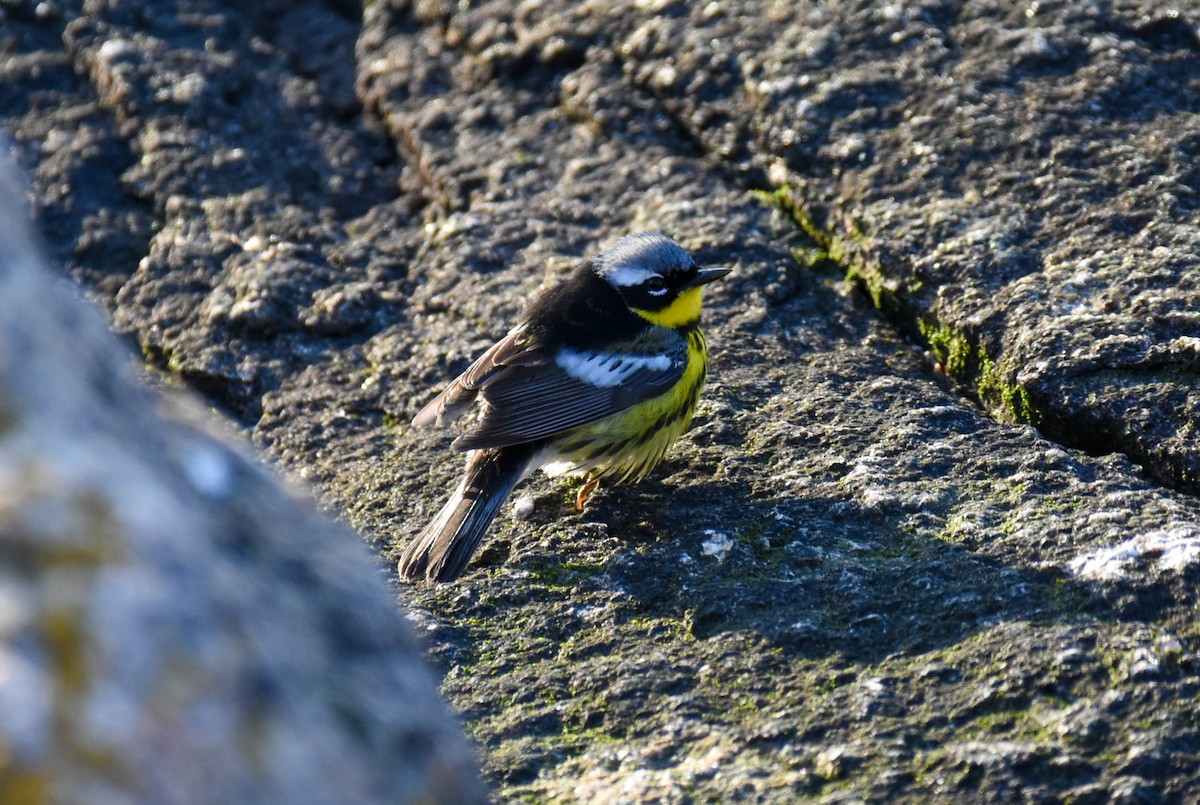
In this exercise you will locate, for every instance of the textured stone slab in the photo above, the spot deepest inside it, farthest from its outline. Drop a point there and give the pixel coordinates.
(851, 579)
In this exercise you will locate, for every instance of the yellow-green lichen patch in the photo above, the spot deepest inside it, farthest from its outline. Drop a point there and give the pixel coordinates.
(20, 786)
(783, 198)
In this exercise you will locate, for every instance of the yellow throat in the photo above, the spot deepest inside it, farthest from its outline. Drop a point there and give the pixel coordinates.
(684, 310)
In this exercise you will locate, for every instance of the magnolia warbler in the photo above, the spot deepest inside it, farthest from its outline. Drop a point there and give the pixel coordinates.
(599, 377)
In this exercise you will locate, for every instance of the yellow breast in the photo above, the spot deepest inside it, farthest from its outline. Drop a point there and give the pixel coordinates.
(630, 443)
(683, 311)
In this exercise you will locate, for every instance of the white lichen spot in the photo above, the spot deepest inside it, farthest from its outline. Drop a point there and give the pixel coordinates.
(1055, 457)
(1186, 344)
(717, 545)
(666, 76)
(778, 174)
(523, 507)
(186, 90)
(114, 49)
(590, 614)
(1174, 549)
(877, 497)
(1143, 664)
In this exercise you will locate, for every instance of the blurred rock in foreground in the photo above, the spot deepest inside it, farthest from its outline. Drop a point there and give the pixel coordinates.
(173, 627)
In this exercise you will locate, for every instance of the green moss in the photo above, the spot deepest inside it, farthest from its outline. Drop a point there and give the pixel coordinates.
(1012, 723)
(968, 362)
(162, 357)
(824, 238)
(953, 350)
(881, 296)
(1011, 400)
(565, 576)
(811, 257)
(781, 198)
(958, 529)
(830, 247)
(156, 356)
(962, 357)
(784, 199)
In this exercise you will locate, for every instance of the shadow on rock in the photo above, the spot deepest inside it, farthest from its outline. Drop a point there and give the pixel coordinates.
(815, 577)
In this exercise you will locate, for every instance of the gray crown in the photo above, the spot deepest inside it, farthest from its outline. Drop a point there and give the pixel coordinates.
(653, 251)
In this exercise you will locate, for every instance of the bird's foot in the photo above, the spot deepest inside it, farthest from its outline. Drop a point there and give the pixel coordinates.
(585, 492)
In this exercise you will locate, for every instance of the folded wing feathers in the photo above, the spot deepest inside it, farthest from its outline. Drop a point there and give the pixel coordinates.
(529, 396)
(462, 391)
(535, 402)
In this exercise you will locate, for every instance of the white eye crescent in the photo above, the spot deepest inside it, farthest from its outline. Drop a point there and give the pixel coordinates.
(655, 286)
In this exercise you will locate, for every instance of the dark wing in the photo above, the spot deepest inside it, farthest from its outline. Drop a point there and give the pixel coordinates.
(534, 394)
(463, 390)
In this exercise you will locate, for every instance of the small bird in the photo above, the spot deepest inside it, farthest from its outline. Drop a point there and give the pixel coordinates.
(599, 377)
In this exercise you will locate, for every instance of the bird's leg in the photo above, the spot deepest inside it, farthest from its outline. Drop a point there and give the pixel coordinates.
(585, 492)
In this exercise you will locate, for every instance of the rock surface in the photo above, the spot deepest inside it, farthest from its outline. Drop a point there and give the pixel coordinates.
(174, 626)
(934, 534)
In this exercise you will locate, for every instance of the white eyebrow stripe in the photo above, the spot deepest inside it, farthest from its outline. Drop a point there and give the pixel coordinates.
(628, 276)
(607, 369)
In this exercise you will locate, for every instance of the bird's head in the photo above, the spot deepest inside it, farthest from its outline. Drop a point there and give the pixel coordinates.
(656, 278)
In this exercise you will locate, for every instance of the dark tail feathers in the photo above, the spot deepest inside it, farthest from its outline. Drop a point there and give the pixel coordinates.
(443, 548)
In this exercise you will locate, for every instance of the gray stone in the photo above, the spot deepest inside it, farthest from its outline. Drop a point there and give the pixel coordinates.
(175, 625)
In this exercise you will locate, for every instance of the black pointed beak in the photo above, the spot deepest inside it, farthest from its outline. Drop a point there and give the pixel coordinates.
(707, 275)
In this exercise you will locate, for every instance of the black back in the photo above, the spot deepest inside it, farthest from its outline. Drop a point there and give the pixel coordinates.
(582, 312)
